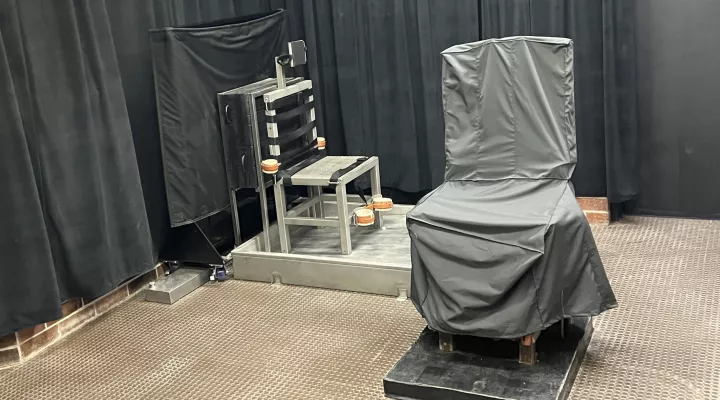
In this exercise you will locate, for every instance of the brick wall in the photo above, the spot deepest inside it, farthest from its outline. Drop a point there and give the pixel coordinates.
(597, 209)
(19, 346)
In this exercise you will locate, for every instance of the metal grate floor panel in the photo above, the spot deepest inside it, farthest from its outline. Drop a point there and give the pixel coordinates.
(663, 340)
(241, 340)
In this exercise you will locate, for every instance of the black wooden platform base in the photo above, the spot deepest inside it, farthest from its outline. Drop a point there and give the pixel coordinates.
(489, 369)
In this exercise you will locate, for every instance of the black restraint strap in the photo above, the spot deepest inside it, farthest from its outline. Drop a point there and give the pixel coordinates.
(286, 138)
(316, 155)
(288, 156)
(337, 174)
(283, 101)
(359, 191)
(290, 114)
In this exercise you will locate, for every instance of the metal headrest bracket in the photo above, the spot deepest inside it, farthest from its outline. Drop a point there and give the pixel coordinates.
(297, 55)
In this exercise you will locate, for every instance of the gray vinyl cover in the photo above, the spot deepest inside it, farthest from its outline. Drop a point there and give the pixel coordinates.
(502, 249)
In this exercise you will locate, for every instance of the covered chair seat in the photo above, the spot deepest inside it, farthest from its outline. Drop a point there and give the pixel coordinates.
(502, 248)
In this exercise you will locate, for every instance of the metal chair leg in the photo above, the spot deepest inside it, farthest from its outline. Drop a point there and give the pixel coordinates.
(281, 209)
(528, 352)
(376, 191)
(319, 207)
(312, 212)
(446, 342)
(343, 219)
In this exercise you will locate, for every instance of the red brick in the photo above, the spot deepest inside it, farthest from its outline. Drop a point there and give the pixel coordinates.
(593, 203)
(9, 357)
(27, 333)
(142, 281)
(105, 303)
(80, 317)
(67, 308)
(597, 217)
(71, 306)
(40, 341)
(8, 340)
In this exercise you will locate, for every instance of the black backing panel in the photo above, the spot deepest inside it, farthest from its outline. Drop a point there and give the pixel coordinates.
(679, 122)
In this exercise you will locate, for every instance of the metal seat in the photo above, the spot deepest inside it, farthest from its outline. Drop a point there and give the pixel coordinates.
(324, 173)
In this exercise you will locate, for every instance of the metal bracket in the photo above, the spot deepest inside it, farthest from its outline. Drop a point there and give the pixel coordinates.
(297, 55)
(402, 294)
(528, 352)
(446, 342)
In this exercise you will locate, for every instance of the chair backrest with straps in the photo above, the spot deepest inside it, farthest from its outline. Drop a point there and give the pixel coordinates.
(291, 129)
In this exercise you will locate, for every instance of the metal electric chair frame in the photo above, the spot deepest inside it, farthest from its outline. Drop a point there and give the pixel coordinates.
(294, 155)
(309, 167)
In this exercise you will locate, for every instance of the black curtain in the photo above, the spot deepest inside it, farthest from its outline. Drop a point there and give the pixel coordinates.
(379, 64)
(73, 217)
(679, 122)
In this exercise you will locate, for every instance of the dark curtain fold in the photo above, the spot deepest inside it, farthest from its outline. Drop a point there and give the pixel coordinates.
(622, 152)
(76, 221)
(24, 241)
(378, 64)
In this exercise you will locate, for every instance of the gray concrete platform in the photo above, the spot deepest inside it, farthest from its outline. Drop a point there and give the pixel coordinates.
(378, 264)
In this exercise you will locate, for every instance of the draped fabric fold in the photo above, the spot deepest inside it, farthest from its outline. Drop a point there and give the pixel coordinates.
(74, 220)
(379, 67)
(27, 257)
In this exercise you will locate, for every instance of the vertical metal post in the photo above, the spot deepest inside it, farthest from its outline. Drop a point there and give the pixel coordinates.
(320, 206)
(311, 117)
(260, 181)
(235, 218)
(446, 342)
(376, 190)
(280, 73)
(527, 350)
(311, 195)
(343, 218)
(281, 209)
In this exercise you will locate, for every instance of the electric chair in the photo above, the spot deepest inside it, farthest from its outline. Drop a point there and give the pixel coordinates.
(297, 157)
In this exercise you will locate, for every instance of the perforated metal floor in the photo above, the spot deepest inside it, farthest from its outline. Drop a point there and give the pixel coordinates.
(241, 340)
(663, 342)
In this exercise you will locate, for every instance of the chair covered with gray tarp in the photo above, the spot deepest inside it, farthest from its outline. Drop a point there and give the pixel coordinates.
(502, 249)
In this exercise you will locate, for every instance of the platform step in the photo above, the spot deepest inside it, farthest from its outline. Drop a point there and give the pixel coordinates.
(177, 285)
(487, 369)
